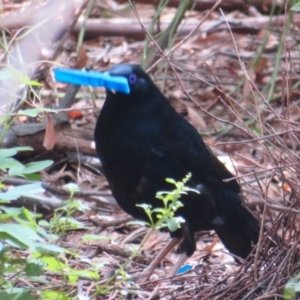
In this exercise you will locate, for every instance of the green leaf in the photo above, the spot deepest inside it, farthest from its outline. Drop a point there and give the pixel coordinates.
(21, 212)
(27, 190)
(73, 205)
(44, 223)
(137, 222)
(11, 164)
(53, 295)
(37, 166)
(71, 187)
(95, 237)
(146, 207)
(291, 288)
(12, 151)
(27, 81)
(25, 218)
(31, 112)
(54, 265)
(19, 236)
(85, 273)
(15, 167)
(49, 249)
(296, 7)
(20, 77)
(39, 279)
(174, 223)
(73, 278)
(289, 293)
(71, 224)
(170, 180)
(34, 269)
(33, 177)
(17, 294)
(17, 261)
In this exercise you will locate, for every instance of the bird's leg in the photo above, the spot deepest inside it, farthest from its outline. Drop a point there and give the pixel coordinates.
(182, 259)
(187, 248)
(161, 255)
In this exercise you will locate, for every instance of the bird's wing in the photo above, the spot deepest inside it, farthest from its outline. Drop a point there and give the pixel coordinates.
(184, 151)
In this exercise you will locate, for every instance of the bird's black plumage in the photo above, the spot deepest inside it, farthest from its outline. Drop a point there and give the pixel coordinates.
(141, 140)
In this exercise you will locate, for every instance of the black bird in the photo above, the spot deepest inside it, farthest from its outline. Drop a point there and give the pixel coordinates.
(141, 140)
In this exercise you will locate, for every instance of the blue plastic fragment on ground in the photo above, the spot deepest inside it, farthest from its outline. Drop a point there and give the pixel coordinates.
(184, 269)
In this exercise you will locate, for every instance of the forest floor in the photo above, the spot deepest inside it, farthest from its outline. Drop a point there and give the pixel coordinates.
(236, 80)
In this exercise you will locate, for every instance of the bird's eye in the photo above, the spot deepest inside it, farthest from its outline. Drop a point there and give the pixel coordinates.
(132, 78)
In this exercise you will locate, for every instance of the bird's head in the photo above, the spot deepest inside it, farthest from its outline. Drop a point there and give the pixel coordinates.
(124, 81)
(138, 81)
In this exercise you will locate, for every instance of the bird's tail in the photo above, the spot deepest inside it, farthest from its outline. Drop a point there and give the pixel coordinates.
(239, 232)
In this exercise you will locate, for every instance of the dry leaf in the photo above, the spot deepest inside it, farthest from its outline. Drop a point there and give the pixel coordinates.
(195, 118)
(247, 86)
(272, 40)
(286, 187)
(209, 248)
(82, 58)
(50, 137)
(261, 64)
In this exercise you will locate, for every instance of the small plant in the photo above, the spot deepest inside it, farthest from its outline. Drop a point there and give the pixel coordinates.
(158, 218)
(63, 220)
(166, 215)
(292, 287)
(21, 239)
(18, 227)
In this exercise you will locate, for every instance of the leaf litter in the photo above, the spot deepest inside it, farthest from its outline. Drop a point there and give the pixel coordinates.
(256, 134)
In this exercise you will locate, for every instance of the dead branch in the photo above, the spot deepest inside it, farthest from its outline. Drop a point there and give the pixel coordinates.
(68, 139)
(129, 28)
(228, 5)
(19, 19)
(42, 205)
(119, 251)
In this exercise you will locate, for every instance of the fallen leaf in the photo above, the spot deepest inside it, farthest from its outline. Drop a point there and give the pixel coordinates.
(209, 248)
(195, 118)
(50, 136)
(82, 58)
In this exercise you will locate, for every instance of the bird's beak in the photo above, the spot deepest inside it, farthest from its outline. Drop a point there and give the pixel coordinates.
(100, 79)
